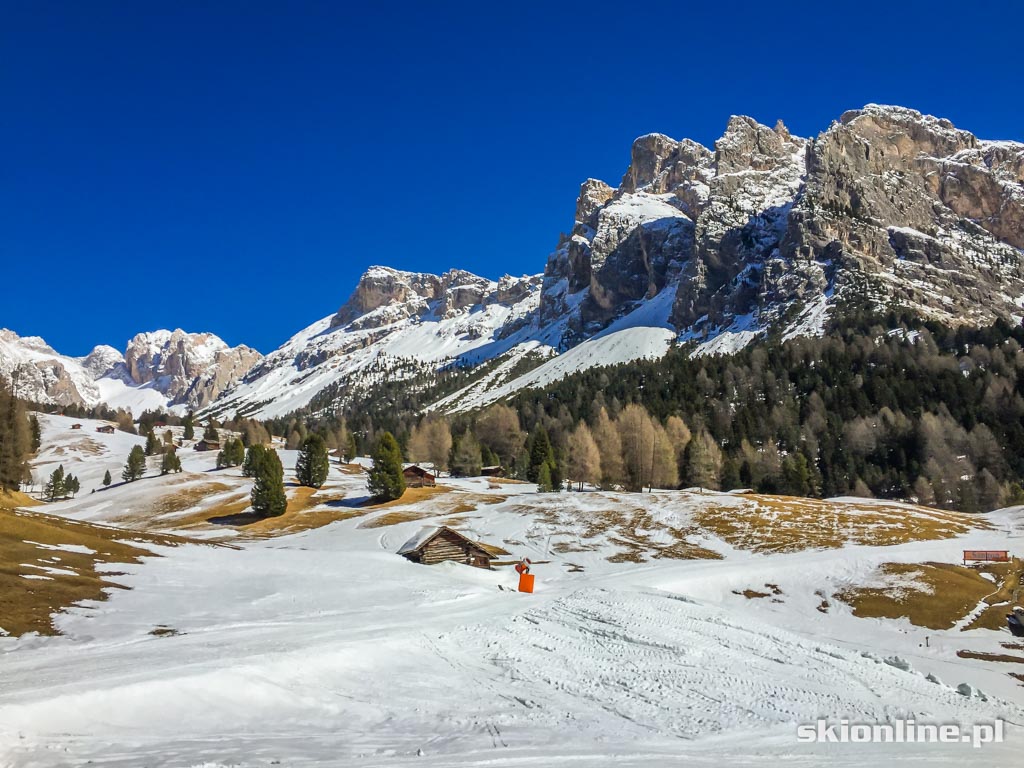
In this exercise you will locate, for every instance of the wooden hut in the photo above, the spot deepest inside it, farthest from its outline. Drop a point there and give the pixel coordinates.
(106, 429)
(208, 445)
(76, 426)
(435, 545)
(417, 477)
(496, 471)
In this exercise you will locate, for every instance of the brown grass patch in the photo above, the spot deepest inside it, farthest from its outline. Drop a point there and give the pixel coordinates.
(751, 594)
(16, 499)
(763, 523)
(935, 595)
(26, 605)
(303, 513)
(982, 656)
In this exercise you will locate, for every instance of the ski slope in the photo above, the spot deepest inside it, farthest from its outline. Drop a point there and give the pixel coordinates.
(326, 648)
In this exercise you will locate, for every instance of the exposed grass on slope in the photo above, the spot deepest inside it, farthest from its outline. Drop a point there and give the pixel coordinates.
(34, 545)
(764, 523)
(938, 595)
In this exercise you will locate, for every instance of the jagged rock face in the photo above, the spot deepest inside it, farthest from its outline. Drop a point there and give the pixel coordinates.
(768, 222)
(929, 214)
(102, 361)
(386, 296)
(41, 374)
(191, 368)
(755, 176)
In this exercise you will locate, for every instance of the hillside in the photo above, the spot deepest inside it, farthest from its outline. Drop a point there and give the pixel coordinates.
(714, 620)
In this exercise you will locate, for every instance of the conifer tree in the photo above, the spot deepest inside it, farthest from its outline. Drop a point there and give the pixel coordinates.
(107, 479)
(170, 463)
(268, 495)
(253, 456)
(37, 436)
(189, 426)
(55, 486)
(231, 454)
(135, 467)
(211, 433)
(386, 479)
(541, 454)
(313, 463)
(152, 445)
(15, 439)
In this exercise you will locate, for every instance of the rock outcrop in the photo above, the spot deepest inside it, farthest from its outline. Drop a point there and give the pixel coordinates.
(767, 224)
(189, 368)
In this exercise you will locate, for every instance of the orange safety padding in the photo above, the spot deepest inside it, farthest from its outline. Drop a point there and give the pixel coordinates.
(526, 582)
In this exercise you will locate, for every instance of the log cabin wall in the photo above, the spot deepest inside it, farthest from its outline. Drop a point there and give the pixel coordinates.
(446, 546)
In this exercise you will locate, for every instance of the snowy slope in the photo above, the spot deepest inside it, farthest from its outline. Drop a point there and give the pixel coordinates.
(396, 340)
(326, 648)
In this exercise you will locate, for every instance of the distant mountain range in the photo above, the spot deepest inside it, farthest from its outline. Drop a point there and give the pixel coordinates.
(710, 246)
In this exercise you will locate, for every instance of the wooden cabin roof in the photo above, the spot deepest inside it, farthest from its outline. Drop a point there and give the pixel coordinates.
(416, 469)
(427, 534)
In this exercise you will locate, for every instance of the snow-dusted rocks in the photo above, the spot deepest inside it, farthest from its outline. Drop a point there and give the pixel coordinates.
(396, 325)
(159, 369)
(189, 368)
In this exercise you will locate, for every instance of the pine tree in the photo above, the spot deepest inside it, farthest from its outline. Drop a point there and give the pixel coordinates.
(107, 479)
(232, 454)
(189, 424)
(544, 482)
(211, 433)
(152, 445)
(15, 440)
(386, 479)
(268, 496)
(170, 463)
(796, 477)
(253, 456)
(37, 435)
(541, 454)
(313, 463)
(71, 485)
(135, 467)
(350, 448)
(55, 486)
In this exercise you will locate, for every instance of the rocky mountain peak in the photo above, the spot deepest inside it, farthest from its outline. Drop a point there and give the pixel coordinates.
(102, 360)
(192, 368)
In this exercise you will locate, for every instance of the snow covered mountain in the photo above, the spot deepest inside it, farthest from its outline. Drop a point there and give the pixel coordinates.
(712, 246)
(157, 370)
(707, 245)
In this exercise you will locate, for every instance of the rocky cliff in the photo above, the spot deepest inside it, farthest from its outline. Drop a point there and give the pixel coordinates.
(158, 369)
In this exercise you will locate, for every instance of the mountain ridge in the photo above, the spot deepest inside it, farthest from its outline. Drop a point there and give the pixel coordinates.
(707, 246)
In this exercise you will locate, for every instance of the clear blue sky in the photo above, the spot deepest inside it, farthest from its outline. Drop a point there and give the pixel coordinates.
(235, 166)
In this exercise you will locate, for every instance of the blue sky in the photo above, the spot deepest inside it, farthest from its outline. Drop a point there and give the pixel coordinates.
(235, 166)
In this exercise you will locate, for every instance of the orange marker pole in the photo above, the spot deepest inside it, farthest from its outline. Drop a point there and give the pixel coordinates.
(526, 582)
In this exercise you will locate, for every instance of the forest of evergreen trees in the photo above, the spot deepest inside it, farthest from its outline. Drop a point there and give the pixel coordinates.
(883, 405)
